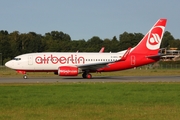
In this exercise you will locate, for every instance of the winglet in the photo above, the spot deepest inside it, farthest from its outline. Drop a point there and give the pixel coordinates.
(125, 54)
(102, 50)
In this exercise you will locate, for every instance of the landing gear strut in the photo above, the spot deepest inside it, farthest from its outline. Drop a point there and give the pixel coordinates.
(87, 75)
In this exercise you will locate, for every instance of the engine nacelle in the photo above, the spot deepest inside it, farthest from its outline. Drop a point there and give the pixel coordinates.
(68, 71)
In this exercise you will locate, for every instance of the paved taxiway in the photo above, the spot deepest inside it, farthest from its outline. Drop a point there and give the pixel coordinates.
(94, 79)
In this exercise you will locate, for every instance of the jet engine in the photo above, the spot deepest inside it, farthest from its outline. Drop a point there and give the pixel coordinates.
(68, 71)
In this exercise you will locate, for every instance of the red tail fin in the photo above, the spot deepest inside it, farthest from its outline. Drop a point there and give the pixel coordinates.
(151, 42)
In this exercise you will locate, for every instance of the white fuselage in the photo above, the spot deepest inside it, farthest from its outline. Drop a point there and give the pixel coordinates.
(53, 60)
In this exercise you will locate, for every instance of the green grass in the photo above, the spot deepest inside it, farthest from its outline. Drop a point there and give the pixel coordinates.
(90, 101)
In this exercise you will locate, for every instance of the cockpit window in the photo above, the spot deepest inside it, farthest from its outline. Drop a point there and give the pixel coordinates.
(16, 59)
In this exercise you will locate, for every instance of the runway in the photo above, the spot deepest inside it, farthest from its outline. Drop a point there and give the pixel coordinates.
(58, 79)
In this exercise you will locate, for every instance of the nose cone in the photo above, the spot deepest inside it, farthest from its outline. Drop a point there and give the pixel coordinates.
(9, 64)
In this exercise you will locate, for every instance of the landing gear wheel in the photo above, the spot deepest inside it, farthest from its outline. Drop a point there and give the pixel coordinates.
(25, 77)
(89, 76)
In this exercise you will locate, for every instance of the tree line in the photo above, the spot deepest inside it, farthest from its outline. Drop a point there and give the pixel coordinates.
(16, 43)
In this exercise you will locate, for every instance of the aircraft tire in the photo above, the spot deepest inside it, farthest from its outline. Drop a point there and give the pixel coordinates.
(89, 76)
(25, 77)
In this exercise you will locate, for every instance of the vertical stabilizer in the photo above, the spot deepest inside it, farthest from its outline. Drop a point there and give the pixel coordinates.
(151, 42)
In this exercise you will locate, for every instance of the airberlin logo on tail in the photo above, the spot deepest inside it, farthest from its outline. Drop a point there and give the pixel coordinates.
(154, 38)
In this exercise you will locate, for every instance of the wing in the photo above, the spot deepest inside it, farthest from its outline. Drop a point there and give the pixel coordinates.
(95, 66)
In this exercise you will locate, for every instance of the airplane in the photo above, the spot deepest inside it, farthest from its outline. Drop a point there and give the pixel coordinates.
(72, 64)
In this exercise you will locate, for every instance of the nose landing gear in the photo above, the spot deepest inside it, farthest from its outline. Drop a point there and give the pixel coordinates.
(25, 76)
(22, 72)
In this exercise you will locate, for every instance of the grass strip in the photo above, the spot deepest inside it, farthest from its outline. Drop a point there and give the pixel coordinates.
(106, 101)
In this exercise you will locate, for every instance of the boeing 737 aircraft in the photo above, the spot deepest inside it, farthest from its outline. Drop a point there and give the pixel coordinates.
(72, 64)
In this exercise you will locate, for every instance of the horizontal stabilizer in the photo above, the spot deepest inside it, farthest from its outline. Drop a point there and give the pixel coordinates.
(155, 56)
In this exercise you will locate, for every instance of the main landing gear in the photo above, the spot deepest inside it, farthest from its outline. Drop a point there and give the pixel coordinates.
(87, 75)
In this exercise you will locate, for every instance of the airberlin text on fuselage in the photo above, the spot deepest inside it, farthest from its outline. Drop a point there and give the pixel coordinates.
(72, 59)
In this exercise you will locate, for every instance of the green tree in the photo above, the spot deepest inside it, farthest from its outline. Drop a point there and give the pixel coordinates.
(107, 44)
(114, 45)
(56, 35)
(5, 47)
(94, 44)
(137, 38)
(167, 39)
(126, 40)
(16, 43)
(31, 42)
(129, 40)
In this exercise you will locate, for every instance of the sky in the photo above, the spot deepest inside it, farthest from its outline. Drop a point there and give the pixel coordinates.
(83, 19)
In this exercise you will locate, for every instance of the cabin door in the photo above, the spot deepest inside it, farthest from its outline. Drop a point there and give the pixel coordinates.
(30, 60)
(133, 60)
